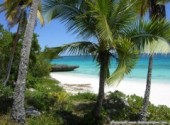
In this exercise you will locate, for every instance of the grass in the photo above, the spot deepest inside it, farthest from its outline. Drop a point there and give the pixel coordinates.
(5, 120)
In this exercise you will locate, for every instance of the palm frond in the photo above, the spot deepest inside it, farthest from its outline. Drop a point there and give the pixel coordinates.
(40, 17)
(122, 15)
(148, 34)
(73, 14)
(75, 48)
(80, 48)
(127, 58)
(162, 1)
(101, 9)
(57, 8)
(157, 47)
(51, 53)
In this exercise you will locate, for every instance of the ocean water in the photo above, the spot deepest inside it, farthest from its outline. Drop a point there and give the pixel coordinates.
(161, 67)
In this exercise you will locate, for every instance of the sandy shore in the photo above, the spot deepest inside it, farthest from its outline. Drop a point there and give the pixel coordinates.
(160, 92)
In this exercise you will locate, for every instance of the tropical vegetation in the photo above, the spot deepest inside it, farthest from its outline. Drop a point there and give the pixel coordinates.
(117, 33)
(116, 36)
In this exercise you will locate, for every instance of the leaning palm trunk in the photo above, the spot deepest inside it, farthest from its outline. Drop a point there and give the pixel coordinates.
(21, 29)
(18, 110)
(11, 58)
(102, 78)
(143, 114)
(156, 12)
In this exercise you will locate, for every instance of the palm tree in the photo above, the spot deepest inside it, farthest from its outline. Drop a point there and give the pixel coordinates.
(16, 13)
(156, 11)
(89, 19)
(105, 20)
(18, 111)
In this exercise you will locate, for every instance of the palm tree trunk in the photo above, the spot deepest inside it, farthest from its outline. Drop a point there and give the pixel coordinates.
(18, 110)
(102, 79)
(143, 114)
(15, 41)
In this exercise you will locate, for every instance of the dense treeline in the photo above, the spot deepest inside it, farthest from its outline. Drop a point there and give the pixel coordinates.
(38, 66)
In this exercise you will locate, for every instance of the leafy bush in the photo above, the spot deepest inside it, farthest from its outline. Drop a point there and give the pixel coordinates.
(47, 85)
(89, 119)
(61, 101)
(38, 100)
(5, 98)
(5, 46)
(32, 81)
(117, 106)
(87, 96)
(159, 113)
(45, 119)
(39, 97)
(135, 103)
(40, 67)
(5, 90)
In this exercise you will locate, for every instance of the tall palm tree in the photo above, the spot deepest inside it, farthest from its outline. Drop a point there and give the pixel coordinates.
(16, 13)
(107, 21)
(18, 111)
(102, 20)
(156, 11)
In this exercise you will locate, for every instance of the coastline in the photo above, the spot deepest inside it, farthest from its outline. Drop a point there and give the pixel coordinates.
(79, 83)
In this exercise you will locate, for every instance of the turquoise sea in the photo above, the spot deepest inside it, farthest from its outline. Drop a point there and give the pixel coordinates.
(161, 67)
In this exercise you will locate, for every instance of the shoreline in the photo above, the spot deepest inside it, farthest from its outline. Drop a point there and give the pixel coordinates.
(79, 83)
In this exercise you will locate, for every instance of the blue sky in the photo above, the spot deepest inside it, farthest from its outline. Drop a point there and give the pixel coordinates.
(55, 33)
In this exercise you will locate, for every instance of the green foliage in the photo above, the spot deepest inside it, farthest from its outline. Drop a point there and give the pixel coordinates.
(5, 98)
(39, 97)
(5, 91)
(135, 103)
(117, 109)
(38, 66)
(32, 81)
(61, 101)
(47, 85)
(45, 119)
(38, 100)
(6, 120)
(159, 113)
(89, 119)
(86, 96)
(117, 106)
(5, 46)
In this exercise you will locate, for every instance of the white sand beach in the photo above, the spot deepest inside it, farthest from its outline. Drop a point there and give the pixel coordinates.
(160, 92)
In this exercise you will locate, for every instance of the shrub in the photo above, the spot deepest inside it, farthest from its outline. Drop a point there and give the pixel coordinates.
(47, 85)
(5, 98)
(45, 119)
(38, 100)
(61, 101)
(40, 68)
(135, 103)
(87, 96)
(32, 81)
(89, 119)
(117, 106)
(159, 113)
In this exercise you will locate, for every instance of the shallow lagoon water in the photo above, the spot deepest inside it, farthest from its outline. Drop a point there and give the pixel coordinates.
(88, 67)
